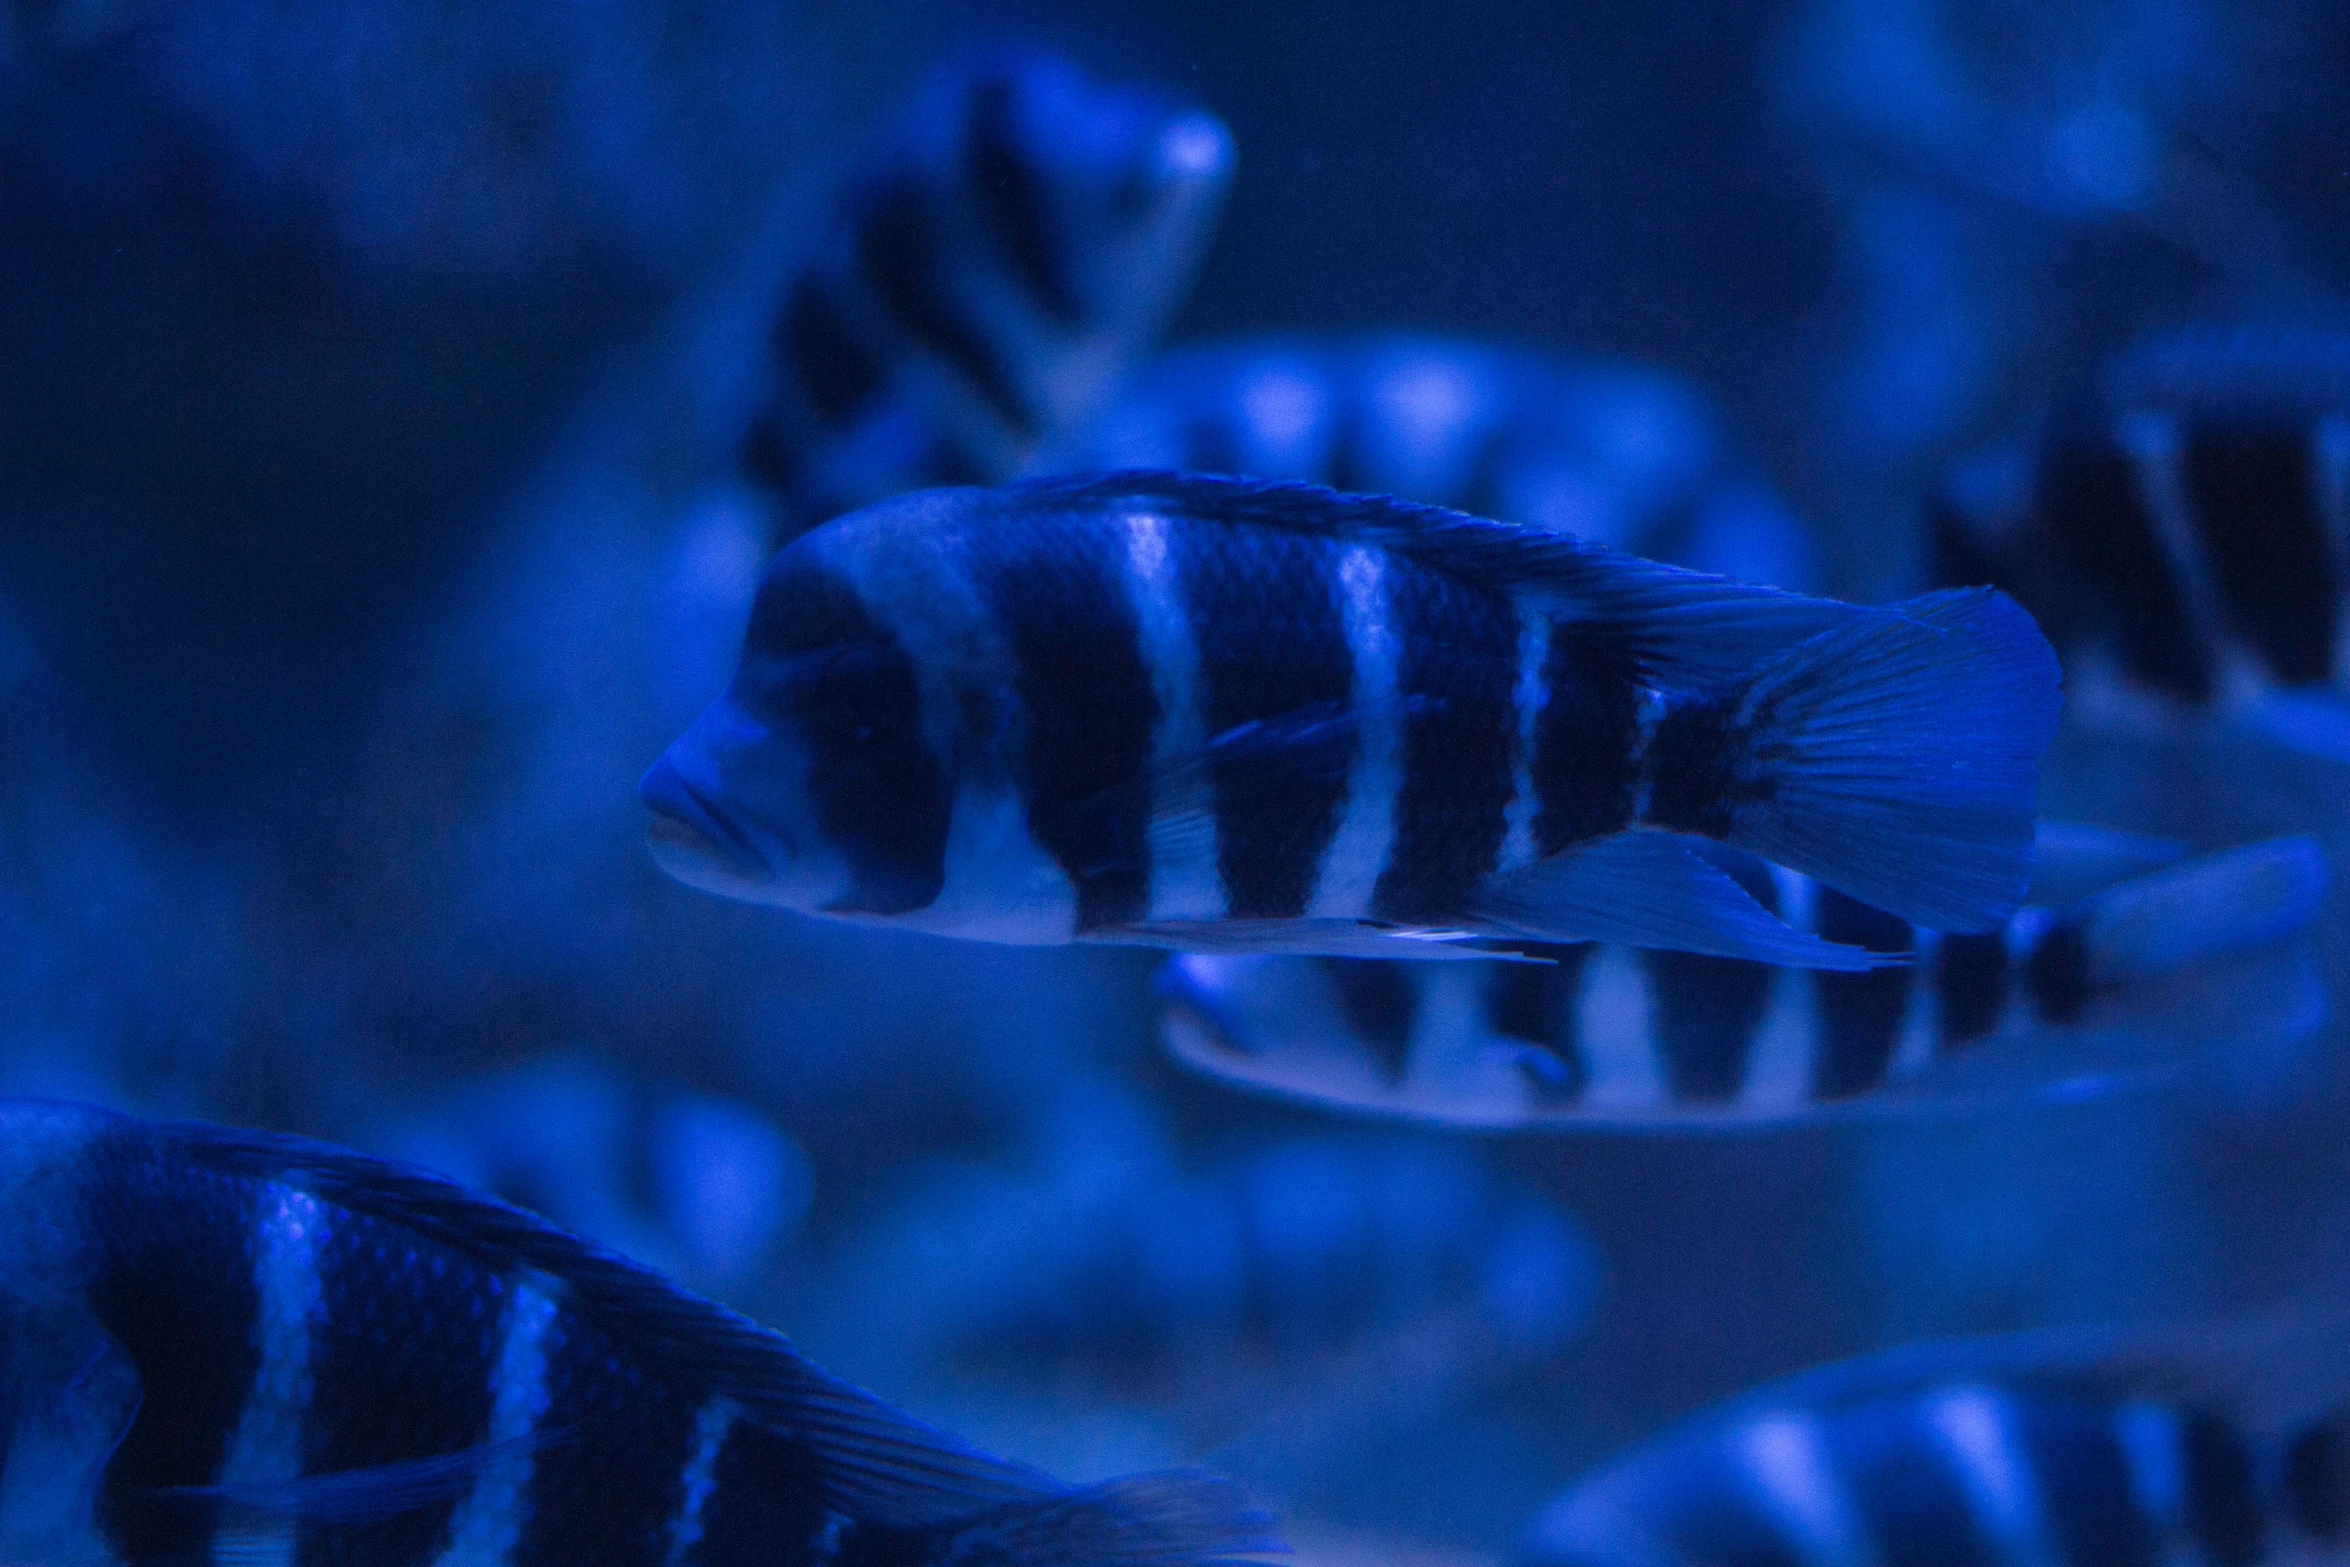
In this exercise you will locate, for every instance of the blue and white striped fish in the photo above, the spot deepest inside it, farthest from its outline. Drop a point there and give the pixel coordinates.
(1619, 454)
(2091, 1448)
(1213, 714)
(2168, 958)
(987, 279)
(219, 1346)
(2188, 535)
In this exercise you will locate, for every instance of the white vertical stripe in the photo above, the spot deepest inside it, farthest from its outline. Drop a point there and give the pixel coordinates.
(699, 1480)
(2152, 440)
(1615, 1032)
(267, 1444)
(1921, 1018)
(490, 1519)
(1531, 696)
(2001, 1491)
(1781, 1061)
(1784, 1460)
(2331, 475)
(1366, 826)
(2151, 1443)
(1184, 882)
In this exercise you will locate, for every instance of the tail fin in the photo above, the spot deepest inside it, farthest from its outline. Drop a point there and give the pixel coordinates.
(2214, 904)
(1894, 759)
(1176, 1518)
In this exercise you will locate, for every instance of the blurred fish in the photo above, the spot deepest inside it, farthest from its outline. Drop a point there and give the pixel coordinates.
(1609, 1036)
(1023, 235)
(2070, 1448)
(1618, 454)
(1207, 713)
(229, 1346)
(2188, 536)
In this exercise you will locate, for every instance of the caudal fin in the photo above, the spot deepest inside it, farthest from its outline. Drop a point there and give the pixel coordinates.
(1176, 1518)
(1895, 759)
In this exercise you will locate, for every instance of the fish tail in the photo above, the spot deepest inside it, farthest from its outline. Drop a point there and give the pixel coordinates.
(1174, 1518)
(1894, 758)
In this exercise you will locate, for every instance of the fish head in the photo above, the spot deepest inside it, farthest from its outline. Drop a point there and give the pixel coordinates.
(812, 783)
(68, 1392)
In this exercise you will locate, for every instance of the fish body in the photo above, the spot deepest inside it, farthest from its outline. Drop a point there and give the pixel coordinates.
(985, 281)
(1619, 454)
(2180, 953)
(1193, 712)
(2186, 536)
(1989, 1451)
(225, 1346)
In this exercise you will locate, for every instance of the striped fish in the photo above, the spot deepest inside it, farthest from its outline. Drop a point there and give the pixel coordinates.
(1609, 1036)
(1211, 714)
(2058, 1449)
(987, 278)
(218, 1346)
(1619, 454)
(2188, 535)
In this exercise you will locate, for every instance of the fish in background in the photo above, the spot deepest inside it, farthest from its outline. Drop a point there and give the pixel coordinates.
(1022, 236)
(2186, 536)
(232, 1346)
(2224, 1444)
(699, 1186)
(1207, 713)
(1619, 454)
(2168, 957)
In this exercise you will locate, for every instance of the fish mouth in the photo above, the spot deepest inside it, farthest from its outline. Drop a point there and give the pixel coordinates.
(693, 839)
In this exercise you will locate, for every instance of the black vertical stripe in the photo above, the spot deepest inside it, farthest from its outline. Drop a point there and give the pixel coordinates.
(1456, 679)
(1716, 1512)
(2056, 973)
(2223, 1504)
(1056, 586)
(1860, 1014)
(900, 251)
(1380, 1000)
(1279, 681)
(1536, 1002)
(608, 1491)
(1707, 1010)
(401, 1360)
(2316, 1474)
(846, 686)
(2092, 1508)
(766, 1504)
(1585, 742)
(2089, 496)
(173, 1283)
(1904, 1488)
(1971, 972)
(2254, 492)
(1012, 196)
(835, 371)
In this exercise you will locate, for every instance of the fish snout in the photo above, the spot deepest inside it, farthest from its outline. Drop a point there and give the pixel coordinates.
(693, 839)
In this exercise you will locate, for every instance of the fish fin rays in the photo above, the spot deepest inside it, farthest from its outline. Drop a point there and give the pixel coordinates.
(1327, 938)
(364, 1495)
(1647, 889)
(1897, 760)
(1175, 1518)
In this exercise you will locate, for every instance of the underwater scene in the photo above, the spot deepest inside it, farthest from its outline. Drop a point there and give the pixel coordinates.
(1043, 785)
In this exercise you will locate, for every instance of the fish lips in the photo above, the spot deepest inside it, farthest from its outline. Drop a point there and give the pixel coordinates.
(695, 841)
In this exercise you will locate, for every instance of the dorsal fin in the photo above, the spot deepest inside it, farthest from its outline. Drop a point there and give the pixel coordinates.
(877, 1463)
(1682, 629)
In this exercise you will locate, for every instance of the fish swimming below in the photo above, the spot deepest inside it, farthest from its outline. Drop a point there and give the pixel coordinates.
(2185, 536)
(2164, 959)
(2069, 1448)
(1228, 715)
(1618, 454)
(986, 280)
(225, 1346)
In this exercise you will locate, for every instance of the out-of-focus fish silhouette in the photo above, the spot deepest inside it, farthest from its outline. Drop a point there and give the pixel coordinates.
(2167, 960)
(2074, 1447)
(1615, 453)
(1214, 713)
(1024, 233)
(233, 1345)
(2186, 536)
